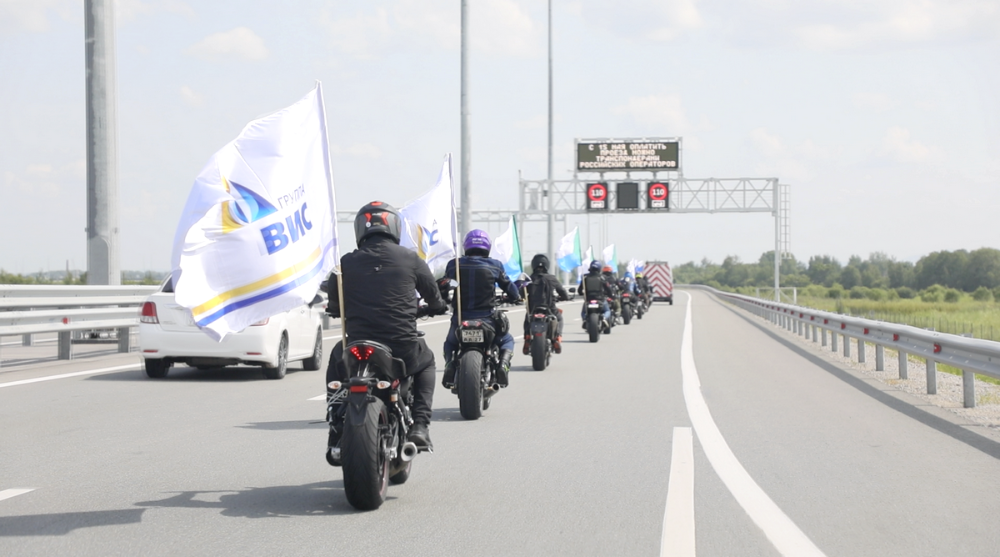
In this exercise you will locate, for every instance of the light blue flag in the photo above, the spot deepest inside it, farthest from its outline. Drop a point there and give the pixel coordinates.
(568, 255)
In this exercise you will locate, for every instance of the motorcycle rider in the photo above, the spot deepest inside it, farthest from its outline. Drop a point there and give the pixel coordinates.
(380, 278)
(595, 287)
(480, 276)
(609, 276)
(540, 294)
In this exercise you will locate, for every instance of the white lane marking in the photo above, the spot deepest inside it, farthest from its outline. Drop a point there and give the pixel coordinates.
(678, 518)
(320, 397)
(8, 493)
(779, 529)
(65, 375)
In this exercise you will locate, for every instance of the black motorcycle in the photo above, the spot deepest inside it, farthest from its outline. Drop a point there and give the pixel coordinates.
(373, 449)
(627, 307)
(595, 320)
(542, 328)
(477, 360)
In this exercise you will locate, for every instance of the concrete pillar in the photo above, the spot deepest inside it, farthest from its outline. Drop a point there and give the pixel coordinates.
(847, 347)
(931, 377)
(861, 351)
(969, 388)
(879, 358)
(833, 341)
(903, 362)
(65, 345)
(27, 340)
(124, 340)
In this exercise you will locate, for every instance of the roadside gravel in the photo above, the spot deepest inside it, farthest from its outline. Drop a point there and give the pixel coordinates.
(949, 387)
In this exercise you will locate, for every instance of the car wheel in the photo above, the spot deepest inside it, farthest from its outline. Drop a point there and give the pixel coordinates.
(279, 369)
(314, 362)
(156, 368)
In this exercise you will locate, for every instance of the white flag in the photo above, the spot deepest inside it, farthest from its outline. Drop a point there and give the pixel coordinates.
(428, 223)
(507, 250)
(610, 255)
(258, 232)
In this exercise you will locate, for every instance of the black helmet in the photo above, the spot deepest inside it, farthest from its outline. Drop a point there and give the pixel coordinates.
(378, 217)
(540, 263)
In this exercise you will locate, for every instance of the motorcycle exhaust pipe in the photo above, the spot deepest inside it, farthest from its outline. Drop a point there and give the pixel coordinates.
(409, 451)
(491, 390)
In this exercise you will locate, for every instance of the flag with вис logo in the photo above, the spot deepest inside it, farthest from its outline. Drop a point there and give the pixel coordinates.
(258, 232)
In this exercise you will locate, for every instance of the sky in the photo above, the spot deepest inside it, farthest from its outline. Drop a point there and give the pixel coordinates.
(882, 115)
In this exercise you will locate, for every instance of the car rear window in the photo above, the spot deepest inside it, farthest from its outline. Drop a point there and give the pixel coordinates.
(168, 286)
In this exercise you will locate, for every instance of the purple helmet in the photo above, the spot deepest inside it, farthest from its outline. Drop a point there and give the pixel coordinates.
(477, 239)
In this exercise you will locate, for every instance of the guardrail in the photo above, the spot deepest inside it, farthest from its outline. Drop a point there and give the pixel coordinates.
(970, 355)
(26, 310)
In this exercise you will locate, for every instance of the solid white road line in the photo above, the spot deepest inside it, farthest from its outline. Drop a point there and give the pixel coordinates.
(320, 397)
(8, 493)
(678, 519)
(779, 529)
(65, 375)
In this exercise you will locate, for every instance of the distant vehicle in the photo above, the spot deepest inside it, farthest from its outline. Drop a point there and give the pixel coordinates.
(168, 336)
(661, 279)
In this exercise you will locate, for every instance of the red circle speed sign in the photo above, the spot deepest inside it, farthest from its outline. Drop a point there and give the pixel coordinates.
(657, 191)
(597, 192)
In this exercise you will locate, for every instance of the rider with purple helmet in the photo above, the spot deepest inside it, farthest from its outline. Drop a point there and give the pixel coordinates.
(480, 276)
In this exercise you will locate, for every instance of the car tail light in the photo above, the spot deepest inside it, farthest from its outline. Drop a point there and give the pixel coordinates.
(362, 353)
(148, 313)
(261, 323)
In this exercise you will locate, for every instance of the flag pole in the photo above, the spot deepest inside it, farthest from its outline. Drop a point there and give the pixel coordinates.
(454, 243)
(333, 215)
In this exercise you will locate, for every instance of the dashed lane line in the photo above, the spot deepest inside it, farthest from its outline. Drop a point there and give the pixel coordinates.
(779, 529)
(8, 493)
(678, 518)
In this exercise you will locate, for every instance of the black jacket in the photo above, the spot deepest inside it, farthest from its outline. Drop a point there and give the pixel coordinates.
(380, 278)
(540, 292)
(595, 287)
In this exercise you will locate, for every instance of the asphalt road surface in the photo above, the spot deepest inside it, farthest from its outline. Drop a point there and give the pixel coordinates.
(698, 430)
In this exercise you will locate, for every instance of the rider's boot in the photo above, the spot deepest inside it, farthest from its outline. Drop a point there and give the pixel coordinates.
(557, 345)
(502, 373)
(420, 437)
(527, 345)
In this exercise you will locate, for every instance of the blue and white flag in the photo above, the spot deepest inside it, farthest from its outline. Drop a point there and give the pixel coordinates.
(507, 250)
(585, 263)
(258, 232)
(568, 255)
(611, 257)
(429, 223)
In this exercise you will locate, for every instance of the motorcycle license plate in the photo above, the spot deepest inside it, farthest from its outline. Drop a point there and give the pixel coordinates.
(593, 304)
(472, 335)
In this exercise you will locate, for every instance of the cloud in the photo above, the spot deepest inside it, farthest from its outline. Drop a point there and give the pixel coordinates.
(240, 43)
(33, 16)
(849, 24)
(768, 145)
(663, 112)
(899, 146)
(656, 20)
(496, 27)
(130, 10)
(192, 98)
(45, 180)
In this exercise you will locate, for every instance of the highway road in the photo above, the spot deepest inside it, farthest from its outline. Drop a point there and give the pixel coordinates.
(698, 430)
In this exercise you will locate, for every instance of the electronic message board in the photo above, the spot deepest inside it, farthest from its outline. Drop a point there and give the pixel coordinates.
(626, 155)
(628, 195)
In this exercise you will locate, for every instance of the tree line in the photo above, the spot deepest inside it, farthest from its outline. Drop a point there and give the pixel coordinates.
(967, 271)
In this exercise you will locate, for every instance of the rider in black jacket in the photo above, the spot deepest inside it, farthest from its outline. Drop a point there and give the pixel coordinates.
(542, 292)
(380, 278)
(594, 286)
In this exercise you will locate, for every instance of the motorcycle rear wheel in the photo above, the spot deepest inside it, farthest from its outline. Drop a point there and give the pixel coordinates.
(363, 459)
(593, 327)
(538, 353)
(470, 389)
(626, 315)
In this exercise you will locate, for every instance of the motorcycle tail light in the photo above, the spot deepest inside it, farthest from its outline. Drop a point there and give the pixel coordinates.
(359, 388)
(362, 353)
(383, 384)
(148, 313)
(334, 385)
(540, 315)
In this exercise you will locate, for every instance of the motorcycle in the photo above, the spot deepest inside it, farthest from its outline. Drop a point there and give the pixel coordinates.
(614, 316)
(595, 320)
(373, 450)
(626, 298)
(542, 329)
(477, 361)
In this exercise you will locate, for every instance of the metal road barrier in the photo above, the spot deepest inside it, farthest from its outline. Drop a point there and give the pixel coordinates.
(26, 310)
(970, 355)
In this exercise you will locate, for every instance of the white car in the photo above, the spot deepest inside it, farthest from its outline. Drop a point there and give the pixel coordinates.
(168, 335)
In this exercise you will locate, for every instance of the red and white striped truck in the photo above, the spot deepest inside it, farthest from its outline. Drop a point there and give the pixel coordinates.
(661, 279)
